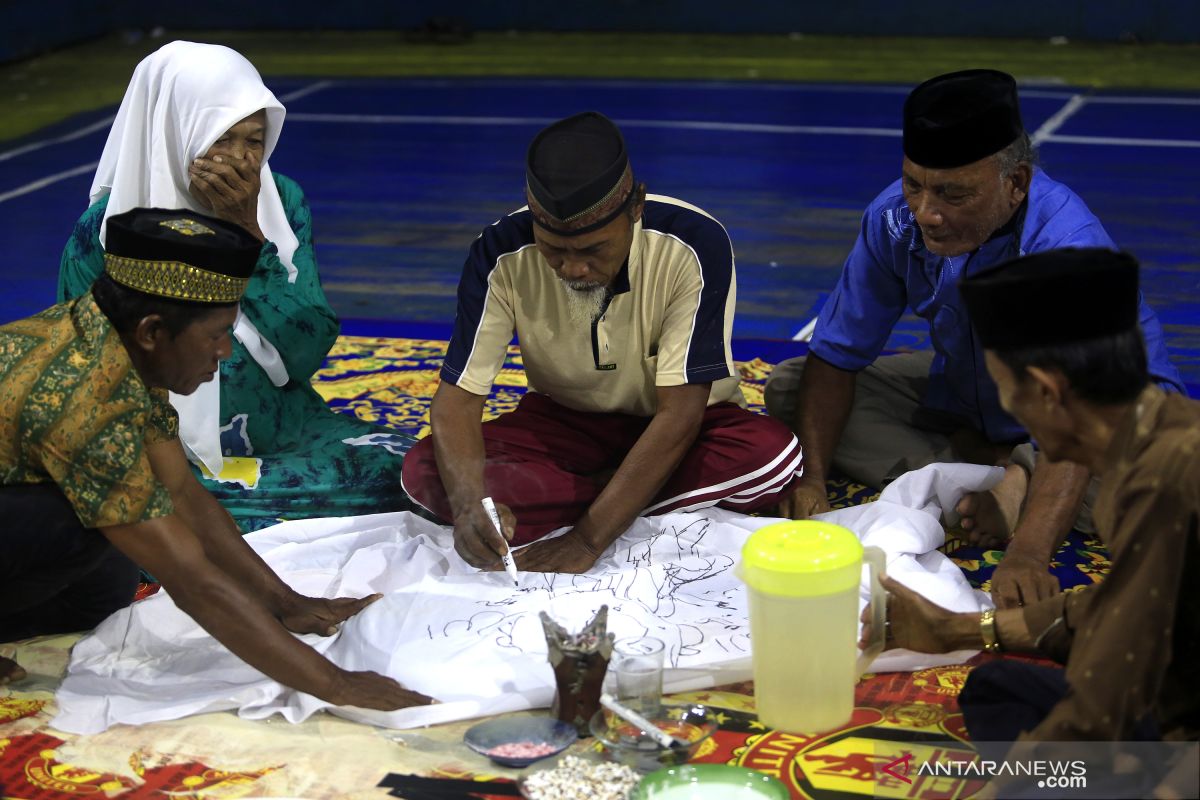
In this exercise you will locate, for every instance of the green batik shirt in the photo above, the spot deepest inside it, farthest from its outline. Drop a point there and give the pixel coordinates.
(74, 412)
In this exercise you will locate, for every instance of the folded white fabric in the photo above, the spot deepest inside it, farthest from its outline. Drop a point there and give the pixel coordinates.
(905, 522)
(469, 638)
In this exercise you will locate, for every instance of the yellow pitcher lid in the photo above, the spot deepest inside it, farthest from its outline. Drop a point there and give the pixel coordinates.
(802, 558)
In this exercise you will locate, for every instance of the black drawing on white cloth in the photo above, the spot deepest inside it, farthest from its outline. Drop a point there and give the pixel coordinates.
(666, 586)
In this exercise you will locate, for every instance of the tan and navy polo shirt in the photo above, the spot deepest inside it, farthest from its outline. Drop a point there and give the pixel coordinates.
(669, 321)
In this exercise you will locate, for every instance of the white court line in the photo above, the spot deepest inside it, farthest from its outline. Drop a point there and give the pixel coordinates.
(306, 91)
(681, 83)
(84, 131)
(752, 127)
(768, 86)
(682, 124)
(1135, 100)
(776, 86)
(49, 179)
(742, 127)
(1055, 122)
(41, 183)
(805, 333)
(773, 86)
(413, 119)
(1044, 94)
(782, 87)
(1120, 140)
(107, 121)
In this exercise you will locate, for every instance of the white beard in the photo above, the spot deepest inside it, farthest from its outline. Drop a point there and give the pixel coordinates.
(584, 301)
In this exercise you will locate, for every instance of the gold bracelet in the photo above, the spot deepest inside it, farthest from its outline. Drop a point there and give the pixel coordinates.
(987, 629)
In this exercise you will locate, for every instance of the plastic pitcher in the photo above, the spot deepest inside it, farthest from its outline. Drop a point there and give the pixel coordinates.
(803, 580)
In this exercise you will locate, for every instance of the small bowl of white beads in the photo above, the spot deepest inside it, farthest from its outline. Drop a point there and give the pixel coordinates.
(576, 778)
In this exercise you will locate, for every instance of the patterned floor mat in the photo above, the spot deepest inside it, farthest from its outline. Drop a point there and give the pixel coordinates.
(391, 382)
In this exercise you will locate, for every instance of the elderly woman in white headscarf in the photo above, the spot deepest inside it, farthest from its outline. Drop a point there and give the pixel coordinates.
(195, 130)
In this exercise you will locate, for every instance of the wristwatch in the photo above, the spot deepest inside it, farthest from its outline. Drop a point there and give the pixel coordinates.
(987, 629)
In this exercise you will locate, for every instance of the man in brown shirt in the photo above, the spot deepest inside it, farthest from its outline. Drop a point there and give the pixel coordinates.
(1076, 376)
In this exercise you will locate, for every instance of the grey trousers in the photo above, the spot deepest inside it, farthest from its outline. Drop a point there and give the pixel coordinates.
(881, 440)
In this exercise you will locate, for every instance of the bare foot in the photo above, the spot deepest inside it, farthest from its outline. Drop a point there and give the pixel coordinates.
(10, 671)
(989, 518)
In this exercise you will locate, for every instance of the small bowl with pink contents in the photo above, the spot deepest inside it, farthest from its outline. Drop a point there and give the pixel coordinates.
(519, 741)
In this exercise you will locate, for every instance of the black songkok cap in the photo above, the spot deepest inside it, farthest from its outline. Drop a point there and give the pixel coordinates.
(180, 254)
(1053, 297)
(577, 172)
(957, 119)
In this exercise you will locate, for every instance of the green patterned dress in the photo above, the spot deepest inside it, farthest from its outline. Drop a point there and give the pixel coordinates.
(287, 454)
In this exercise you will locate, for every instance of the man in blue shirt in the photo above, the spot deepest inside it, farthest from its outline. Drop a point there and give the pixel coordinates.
(969, 197)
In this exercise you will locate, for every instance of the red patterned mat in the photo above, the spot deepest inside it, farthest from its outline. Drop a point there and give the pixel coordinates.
(30, 770)
(897, 716)
(901, 720)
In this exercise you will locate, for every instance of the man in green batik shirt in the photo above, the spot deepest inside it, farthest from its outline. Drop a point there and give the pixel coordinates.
(93, 479)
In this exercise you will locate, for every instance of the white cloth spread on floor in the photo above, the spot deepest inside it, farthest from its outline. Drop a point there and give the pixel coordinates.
(470, 639)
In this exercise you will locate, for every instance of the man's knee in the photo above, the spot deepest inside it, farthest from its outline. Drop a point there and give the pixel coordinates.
(985, 684)
(761, 441)
(1027, 457)
(421, 480)
(782, 391)
(419, 470)
(42, 530)
(760, 457)
(59, 599)
(110, 587)
(774, 437)
(1001, 698)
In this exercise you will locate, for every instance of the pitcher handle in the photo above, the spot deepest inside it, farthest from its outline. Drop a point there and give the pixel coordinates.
(876, 560)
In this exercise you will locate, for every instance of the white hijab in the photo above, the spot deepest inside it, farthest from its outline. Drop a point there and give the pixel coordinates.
(182, 98)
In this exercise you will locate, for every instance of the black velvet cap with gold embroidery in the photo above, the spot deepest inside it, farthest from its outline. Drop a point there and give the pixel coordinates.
(1053, 297)
(577, 174)
(180, 254)
(958, 118)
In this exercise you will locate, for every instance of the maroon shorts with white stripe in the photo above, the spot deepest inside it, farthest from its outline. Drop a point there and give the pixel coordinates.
(549, 463)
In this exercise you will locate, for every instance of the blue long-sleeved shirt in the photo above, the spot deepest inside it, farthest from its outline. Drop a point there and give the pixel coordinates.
(890, 269)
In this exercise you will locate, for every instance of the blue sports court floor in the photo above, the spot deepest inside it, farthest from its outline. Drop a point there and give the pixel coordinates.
(402, 174)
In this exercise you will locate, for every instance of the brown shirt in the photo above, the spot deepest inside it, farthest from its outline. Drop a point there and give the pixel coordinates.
(1132, 642)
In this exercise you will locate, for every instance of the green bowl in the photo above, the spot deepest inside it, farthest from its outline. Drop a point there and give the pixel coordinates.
(709, 782)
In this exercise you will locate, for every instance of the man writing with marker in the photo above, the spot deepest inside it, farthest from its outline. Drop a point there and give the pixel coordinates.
(623, 305)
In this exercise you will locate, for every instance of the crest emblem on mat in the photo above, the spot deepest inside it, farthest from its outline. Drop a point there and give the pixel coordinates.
(864, 757)
(942, 680)
(188, 227)
(15, 708)
(43, 771)
(915, 715)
